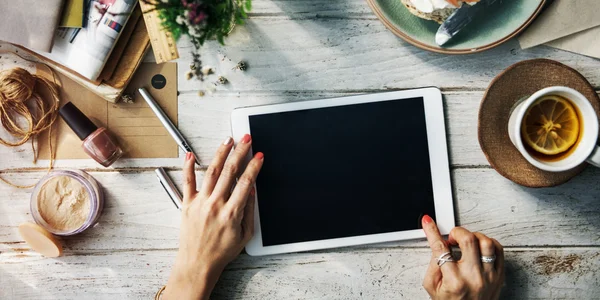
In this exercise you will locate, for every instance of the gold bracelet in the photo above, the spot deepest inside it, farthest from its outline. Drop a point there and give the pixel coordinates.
(157, 296)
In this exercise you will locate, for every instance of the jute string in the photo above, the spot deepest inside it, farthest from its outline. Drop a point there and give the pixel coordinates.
(20, 98)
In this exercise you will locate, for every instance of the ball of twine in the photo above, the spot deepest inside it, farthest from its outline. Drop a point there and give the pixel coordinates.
(16, 85)
(21, 98)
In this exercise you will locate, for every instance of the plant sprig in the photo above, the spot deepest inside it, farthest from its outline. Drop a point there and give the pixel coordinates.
(201, 20)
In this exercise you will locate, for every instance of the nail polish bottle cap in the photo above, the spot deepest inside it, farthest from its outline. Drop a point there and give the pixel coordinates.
(81, 125)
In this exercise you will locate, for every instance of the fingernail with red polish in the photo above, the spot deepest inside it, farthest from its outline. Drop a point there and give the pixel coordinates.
(188, 155)
(259, 155)
(426, 219)
(246, 138)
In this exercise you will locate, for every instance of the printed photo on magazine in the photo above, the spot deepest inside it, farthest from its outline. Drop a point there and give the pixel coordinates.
(86, 50)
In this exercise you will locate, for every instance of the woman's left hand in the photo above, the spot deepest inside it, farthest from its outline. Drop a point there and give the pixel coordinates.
(217, 221)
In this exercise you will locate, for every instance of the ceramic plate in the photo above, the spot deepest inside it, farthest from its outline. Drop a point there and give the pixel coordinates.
(488, 30)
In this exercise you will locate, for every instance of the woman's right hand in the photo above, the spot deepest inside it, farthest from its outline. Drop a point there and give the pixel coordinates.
(469, 277)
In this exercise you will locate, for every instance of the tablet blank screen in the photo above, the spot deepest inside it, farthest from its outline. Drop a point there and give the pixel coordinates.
(342, 171)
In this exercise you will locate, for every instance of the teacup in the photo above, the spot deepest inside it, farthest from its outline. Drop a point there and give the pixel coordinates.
(584, 150)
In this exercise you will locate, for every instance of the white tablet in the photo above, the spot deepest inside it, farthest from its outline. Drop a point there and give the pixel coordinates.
(348, 171)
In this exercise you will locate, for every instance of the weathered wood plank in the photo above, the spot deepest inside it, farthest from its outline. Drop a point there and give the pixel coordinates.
(342, 54)
(563, 215)
(387, 273)
(205, 122)
(139, 215)
(306, 8)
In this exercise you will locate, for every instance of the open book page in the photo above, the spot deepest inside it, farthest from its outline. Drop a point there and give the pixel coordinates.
(86, 50)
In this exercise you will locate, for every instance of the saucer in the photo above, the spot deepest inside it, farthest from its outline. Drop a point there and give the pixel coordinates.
(513, 84)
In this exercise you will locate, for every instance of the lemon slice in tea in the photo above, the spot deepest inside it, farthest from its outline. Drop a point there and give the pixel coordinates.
(551, 125)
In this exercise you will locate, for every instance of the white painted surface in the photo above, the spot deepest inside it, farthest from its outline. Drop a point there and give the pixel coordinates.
(301, 50)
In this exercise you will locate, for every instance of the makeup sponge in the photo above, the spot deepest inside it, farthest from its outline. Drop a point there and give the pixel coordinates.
(40, 240)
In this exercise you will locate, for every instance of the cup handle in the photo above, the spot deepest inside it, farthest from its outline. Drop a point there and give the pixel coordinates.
(594, 158)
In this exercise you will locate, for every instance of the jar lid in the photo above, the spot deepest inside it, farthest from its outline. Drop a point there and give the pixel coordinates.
(40, 240)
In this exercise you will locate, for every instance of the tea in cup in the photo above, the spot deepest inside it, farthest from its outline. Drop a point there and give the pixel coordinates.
(555, 129)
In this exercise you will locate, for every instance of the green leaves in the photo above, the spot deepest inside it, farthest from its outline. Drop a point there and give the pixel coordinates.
(221, 16)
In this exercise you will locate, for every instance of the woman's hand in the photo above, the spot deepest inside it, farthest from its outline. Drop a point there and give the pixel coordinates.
(216, 221)
(468, 278)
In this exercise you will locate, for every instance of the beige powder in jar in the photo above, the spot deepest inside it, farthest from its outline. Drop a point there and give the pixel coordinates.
(64, 203)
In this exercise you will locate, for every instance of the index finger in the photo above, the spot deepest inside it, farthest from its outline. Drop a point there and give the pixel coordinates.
(437, 244)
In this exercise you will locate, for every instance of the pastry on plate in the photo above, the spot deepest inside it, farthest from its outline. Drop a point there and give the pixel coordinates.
(435, 10)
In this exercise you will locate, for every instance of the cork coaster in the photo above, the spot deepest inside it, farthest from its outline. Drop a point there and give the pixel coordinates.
(517, 82)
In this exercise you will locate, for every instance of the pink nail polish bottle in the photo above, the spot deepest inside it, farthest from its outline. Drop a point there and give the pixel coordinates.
(97, 142)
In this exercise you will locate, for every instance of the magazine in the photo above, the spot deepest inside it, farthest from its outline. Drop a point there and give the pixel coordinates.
(86, 50)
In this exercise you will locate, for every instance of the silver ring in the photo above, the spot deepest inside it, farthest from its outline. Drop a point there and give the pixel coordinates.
(444, 258)
(488, 259)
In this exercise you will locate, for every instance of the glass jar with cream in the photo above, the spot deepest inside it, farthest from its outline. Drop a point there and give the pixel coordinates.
(63, 203)
(67, 202)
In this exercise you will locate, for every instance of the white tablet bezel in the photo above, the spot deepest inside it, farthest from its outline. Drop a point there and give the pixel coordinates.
(438, 156)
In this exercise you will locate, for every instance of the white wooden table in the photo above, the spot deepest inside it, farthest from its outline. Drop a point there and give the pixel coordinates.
(300, 50)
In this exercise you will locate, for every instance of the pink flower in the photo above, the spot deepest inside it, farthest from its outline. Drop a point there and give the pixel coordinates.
(200, 17)
(187, 4)
(196, 15)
